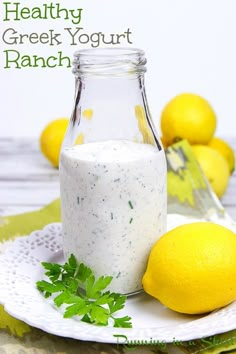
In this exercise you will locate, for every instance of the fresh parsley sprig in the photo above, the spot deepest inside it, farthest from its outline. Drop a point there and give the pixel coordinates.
(82, 294)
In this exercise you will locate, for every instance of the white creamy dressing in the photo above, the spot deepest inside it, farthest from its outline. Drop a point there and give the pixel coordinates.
(113, 197)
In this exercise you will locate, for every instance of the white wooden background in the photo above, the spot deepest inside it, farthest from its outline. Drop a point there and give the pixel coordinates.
(28, 181)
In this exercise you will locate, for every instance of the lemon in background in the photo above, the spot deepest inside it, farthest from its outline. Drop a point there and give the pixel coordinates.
(164, 142)
(225, 150)
(214, 166)
(188, 116)
(51, 139)
(192, 268)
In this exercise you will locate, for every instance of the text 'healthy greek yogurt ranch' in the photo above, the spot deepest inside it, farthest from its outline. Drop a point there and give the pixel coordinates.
(112, 169)
(113, 207)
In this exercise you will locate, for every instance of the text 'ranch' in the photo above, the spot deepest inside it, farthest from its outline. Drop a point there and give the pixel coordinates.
(14, 12)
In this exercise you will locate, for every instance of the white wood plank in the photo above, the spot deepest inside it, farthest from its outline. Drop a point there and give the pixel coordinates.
(18, 209)
(27, 180)
(22, 146)
(231, 210)
(28, 193)
(33, 167)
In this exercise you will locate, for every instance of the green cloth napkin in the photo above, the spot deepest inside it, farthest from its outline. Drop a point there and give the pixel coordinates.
(189, 192)
(23, 224)
(220, 343)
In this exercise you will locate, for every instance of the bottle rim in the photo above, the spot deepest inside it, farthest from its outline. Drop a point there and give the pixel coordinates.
(109, 61)
(93, 52)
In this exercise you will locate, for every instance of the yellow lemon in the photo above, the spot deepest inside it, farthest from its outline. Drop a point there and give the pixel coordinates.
(188, 116)
(51, 139)
(192, 268)
(225, 150)
(164, 142)
(214, 167)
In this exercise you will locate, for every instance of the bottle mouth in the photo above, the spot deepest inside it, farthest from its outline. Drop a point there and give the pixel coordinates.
(109, 62)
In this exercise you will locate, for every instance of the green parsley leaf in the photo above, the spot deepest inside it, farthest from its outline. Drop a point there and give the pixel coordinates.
(104, 299)
(83, 273)
(123, 322)
(74, 285)
(86, 318)
(72, 261)
(93, 289)
(61, 298)
(99, 315)
(74, 309)
(50, 288)
(118, 303)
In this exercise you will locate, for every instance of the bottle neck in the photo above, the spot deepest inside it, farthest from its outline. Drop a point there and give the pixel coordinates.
(110, 99)
(112, 62)
(110, 90)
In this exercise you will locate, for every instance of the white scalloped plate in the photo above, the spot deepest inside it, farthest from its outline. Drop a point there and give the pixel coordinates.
(20, 268)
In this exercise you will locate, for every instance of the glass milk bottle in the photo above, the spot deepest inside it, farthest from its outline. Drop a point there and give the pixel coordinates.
(112, 169)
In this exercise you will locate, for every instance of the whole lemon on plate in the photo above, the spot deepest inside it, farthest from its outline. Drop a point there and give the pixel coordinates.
(188, 116)
(192, 268)
(51, 139)
(214, 167)
(225, 150)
